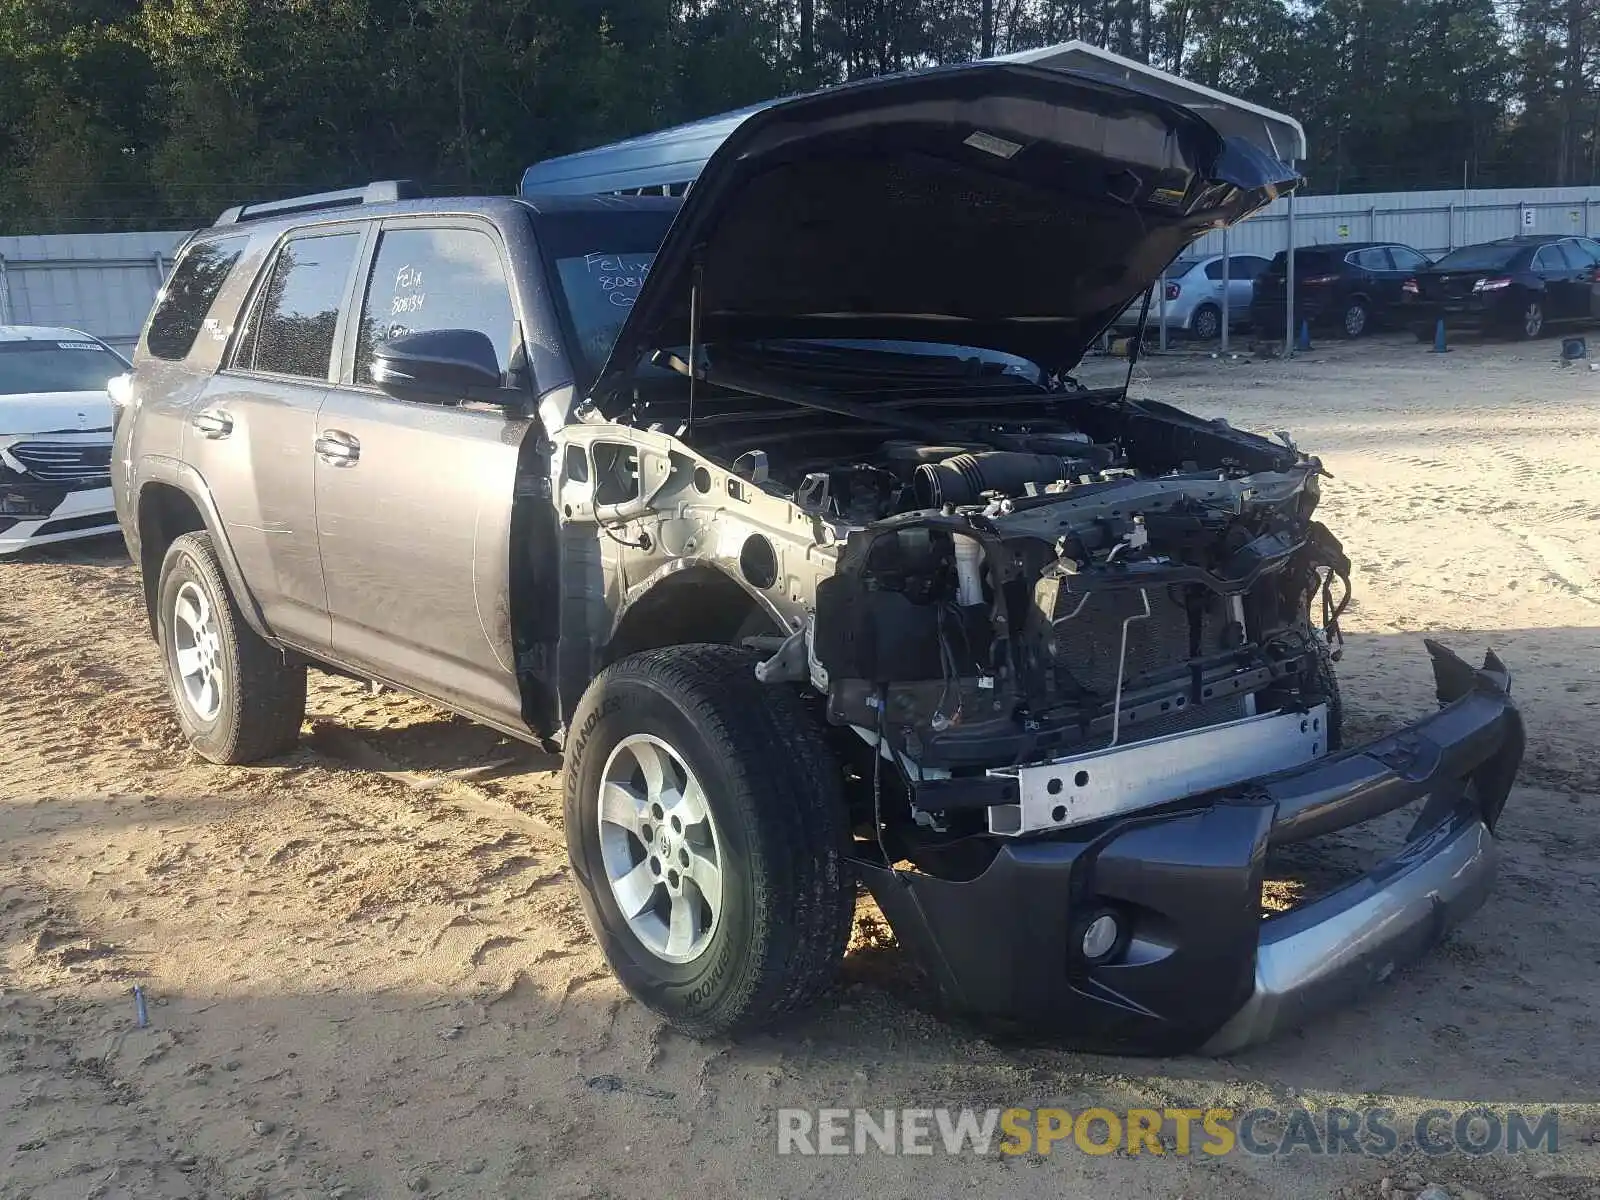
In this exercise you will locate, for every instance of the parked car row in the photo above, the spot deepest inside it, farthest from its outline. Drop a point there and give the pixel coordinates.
(1516, 286)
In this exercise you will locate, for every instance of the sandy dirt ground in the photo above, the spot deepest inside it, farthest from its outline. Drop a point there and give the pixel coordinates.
(368, 975)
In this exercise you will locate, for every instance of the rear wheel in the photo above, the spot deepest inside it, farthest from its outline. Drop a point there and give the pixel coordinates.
(1532, 321)
(1207, 324)
(707, 831)
(1356, 316)
(236, 699)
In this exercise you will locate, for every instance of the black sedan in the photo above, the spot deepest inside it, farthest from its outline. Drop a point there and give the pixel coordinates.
(1516, 285)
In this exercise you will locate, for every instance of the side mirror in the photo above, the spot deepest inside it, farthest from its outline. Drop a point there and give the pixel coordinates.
(441, 366)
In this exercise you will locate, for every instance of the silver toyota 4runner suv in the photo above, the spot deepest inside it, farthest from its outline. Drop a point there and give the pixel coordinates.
(779, 512)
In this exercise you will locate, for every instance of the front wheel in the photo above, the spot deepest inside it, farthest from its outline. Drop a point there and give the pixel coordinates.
(236, 698)
(707, 831)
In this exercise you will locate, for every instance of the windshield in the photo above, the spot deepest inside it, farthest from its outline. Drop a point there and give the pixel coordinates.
(40, 366)
(600, 259)
(599, 288)
(1477, 258)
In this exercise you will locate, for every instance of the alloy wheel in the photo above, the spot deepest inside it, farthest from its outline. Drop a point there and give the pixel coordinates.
(660, 849)
(198, 647)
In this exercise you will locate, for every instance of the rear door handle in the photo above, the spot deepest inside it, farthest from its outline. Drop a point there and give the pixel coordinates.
(212, 424)
(337, 448)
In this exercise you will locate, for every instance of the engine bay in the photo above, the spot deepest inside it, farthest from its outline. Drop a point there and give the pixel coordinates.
(852, 479)
(902, 475)
(975, 578)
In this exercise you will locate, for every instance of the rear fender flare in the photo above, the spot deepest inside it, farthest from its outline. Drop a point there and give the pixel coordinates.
(183, 477)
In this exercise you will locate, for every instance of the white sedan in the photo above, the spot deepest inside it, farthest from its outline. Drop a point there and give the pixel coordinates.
(55, 436)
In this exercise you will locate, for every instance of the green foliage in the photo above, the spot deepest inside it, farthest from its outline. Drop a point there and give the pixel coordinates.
(125, 114)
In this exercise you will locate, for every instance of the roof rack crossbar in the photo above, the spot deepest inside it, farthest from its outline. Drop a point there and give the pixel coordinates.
(384, 191)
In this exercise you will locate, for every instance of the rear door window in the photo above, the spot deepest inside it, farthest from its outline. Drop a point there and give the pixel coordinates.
(435, 277)
(1240, 267)
(1549, 258)
(296, 313)
(188, 295)
(1579, 252)
(1407, 259)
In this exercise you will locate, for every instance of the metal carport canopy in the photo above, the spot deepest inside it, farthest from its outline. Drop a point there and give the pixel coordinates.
(1277, 133)
(672, 158)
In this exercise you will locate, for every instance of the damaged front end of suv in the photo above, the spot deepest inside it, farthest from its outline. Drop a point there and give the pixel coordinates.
(1076, 650)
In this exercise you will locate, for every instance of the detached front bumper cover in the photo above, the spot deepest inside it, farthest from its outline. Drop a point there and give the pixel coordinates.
(1201, 969)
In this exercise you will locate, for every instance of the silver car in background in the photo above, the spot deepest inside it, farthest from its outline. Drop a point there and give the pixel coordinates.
(55, 436)
(1194, 297)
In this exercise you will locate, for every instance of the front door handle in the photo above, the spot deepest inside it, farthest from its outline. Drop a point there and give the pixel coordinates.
(337, 448)
(213, 423)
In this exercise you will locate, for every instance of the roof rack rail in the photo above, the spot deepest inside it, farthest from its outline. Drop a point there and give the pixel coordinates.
(382, 192)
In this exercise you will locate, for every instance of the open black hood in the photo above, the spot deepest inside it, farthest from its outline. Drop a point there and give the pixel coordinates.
(1010, 207)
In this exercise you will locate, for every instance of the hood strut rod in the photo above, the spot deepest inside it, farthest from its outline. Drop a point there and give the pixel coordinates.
(1133, 348)
(694, 336)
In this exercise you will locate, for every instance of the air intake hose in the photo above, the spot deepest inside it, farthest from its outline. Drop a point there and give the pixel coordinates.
(963, 478)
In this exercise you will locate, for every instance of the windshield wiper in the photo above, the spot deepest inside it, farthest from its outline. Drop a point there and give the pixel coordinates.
(759, 383)
(861, 360)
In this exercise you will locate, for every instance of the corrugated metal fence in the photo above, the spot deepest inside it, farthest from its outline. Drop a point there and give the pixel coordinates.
(1432, 222)
(102, 283)
(105, 283)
